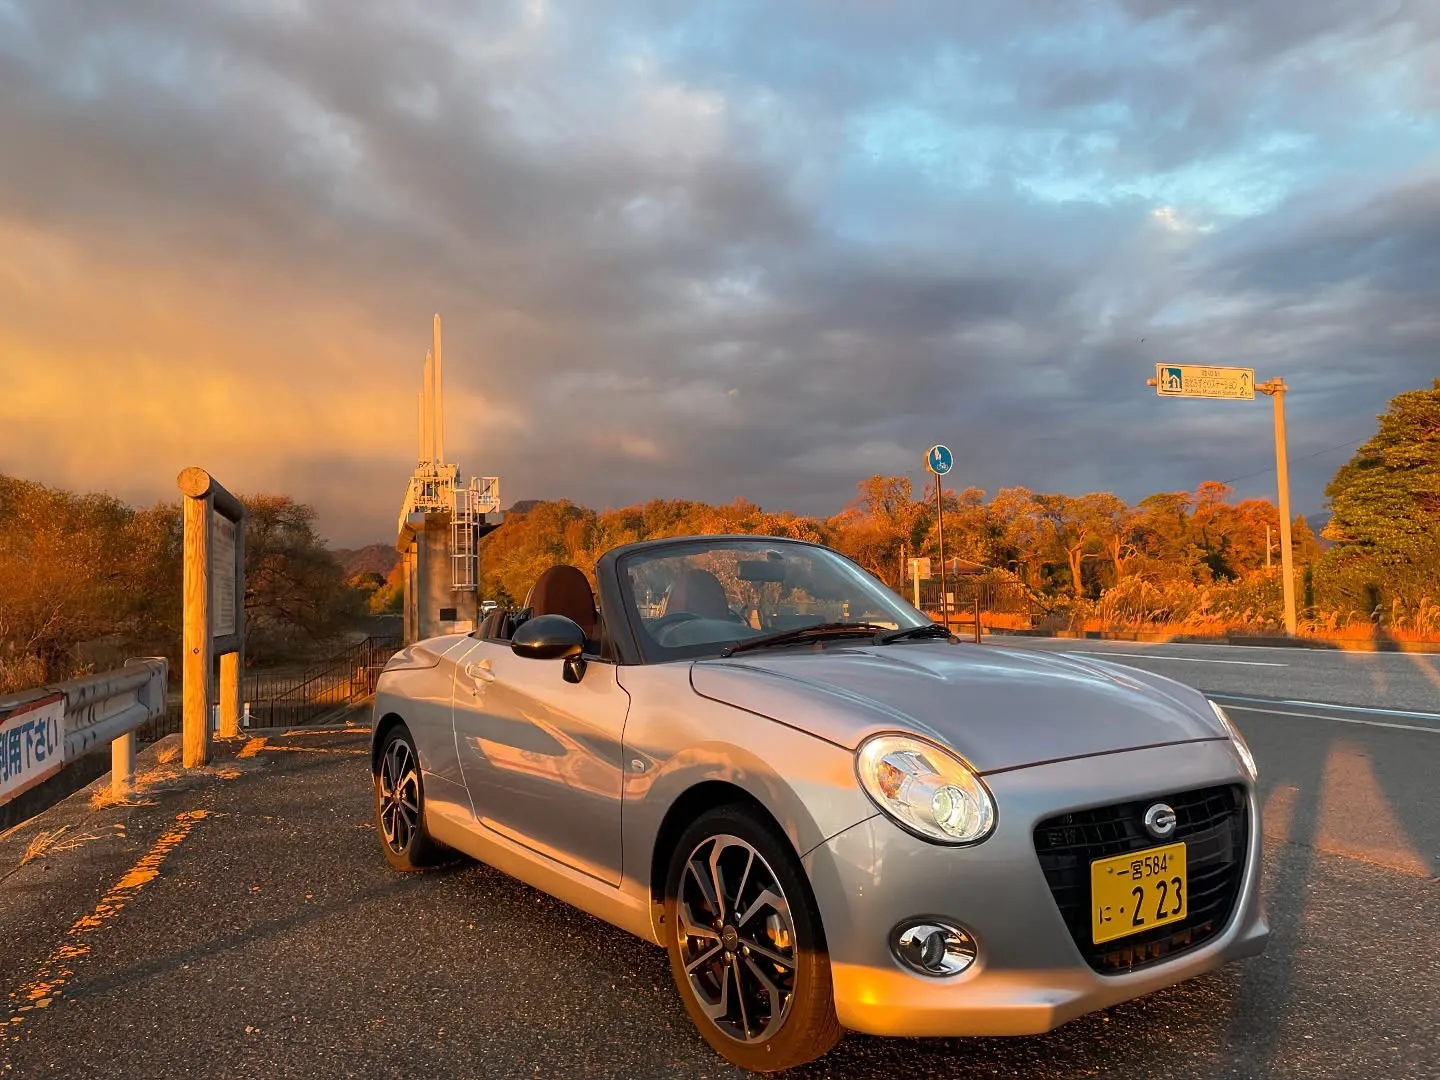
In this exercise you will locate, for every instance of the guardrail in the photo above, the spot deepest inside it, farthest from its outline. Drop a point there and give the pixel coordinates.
(46, 729)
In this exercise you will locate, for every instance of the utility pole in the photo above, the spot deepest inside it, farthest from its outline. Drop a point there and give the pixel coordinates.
(1276, 389)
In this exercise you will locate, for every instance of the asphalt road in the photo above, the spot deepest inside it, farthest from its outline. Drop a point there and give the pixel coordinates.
(1402, 681)
(245, 925)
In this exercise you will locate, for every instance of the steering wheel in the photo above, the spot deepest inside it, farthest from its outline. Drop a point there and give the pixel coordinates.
(667, 621)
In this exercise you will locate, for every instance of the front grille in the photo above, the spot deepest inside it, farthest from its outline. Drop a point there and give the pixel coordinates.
(1213, 822)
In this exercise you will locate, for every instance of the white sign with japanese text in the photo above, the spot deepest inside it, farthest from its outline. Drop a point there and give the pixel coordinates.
(32, 745)
(222, 574)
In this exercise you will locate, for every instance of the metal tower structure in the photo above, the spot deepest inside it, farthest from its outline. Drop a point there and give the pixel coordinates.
(441, 512)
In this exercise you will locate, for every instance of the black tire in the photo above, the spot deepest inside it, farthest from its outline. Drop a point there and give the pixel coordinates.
(735, 964)
(400, 814)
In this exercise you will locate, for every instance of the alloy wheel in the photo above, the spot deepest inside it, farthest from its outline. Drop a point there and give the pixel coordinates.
(399, 796)
(737, 938)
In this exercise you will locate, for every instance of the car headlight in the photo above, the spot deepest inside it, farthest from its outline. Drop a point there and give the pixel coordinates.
(926, 790)
(1239, 740)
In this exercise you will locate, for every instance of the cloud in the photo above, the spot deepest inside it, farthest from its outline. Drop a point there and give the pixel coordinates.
(706, 251)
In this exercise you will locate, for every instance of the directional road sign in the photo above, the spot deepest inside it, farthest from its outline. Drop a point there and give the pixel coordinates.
(1195, 381)
(939, 460)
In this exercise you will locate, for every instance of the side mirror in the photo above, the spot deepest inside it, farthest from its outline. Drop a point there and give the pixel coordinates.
(548, 637)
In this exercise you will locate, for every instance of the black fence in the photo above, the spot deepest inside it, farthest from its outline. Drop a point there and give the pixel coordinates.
(1003, 603)
(322, 691)
(170, 722)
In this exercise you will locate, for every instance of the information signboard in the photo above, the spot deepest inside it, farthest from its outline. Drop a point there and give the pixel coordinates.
(222, 573)
(1195, 381)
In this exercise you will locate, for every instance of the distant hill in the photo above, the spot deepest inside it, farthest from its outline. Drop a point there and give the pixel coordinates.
(371, 559)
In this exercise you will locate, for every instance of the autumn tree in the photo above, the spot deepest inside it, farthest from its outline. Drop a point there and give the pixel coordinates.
(77, 569)
(1017, 536)
(968, 531)
(1165, 539)
(1304, 543)
(879, 524)
(1118, 530)
(295, 589)
(1080, 530)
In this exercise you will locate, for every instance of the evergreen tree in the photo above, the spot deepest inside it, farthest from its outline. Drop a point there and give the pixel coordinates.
(1303, 543)
(1386, 511)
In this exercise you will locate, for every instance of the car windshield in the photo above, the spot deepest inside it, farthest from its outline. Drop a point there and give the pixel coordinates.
(696, 598)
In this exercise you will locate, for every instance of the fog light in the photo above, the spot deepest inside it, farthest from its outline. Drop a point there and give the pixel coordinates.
(933, 948)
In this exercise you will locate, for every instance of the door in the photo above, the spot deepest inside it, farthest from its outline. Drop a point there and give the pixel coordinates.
(541, 756)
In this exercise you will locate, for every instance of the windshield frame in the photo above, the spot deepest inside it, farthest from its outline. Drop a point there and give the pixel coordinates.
(635, 646)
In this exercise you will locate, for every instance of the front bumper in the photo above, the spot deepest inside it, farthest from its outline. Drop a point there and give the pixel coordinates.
(1029, 976)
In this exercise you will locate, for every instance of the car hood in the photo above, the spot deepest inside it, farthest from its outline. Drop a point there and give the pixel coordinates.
(998, 708)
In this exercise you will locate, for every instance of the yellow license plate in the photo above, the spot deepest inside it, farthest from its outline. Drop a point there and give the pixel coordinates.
(1137, 892)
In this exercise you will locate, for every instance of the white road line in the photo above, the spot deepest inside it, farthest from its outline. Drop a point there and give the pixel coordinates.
(1182, 659)
(1018, 641)
(1336, 719)
(1375, 709)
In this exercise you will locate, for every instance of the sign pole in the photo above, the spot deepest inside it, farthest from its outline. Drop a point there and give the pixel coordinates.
(1197, 381)
(1276, 389)
(940, 529)
(939, 526)
(939, 461)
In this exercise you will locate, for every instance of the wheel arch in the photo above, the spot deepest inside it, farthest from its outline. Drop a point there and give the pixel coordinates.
(698, 799)
(386, 724)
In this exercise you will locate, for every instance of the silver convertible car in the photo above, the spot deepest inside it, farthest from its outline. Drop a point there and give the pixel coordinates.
(830, 812)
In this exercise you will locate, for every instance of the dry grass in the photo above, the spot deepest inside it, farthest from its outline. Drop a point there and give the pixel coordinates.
(49, 841)
(1357, 633)
(20, 673)
(106, 797)
(146, 782)
(1248, 608)
(167, 755)
(42, 843)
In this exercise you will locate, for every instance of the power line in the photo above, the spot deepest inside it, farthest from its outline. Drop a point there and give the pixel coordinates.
(1306, 457)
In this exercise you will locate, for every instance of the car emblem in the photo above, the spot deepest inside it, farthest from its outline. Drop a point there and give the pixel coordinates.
(1160, 821)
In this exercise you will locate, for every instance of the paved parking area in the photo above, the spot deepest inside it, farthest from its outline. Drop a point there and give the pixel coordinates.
(244, 924)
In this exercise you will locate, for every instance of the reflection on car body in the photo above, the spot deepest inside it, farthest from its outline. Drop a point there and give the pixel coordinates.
(831, 813)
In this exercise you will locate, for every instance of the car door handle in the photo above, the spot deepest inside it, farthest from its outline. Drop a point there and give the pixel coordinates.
(480, 674)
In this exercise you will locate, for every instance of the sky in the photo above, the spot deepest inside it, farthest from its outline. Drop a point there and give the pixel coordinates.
(708, 250)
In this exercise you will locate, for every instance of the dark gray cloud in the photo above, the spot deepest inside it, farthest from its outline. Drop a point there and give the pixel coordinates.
(718, 250)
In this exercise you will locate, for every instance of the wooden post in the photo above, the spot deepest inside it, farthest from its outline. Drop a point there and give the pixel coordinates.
(230, 695)
(238, 653)
(978, 634)
(198, 641)
(214, 604)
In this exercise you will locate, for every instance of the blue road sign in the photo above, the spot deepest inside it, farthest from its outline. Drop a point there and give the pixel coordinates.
(939, 460)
